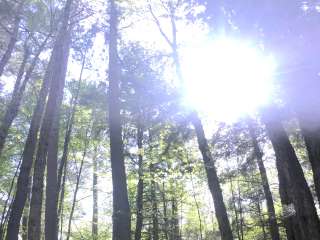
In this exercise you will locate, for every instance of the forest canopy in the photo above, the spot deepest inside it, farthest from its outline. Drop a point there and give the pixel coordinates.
(159, 120)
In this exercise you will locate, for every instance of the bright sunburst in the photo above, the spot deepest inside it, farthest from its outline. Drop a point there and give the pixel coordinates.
(227, 78)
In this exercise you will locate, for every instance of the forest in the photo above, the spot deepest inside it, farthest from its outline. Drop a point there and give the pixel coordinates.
(159, 120)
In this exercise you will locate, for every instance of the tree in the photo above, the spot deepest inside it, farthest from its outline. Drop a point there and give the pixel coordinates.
(121, 208)
(212, 176)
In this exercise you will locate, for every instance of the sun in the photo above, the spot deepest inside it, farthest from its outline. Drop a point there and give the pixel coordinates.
(227, 78)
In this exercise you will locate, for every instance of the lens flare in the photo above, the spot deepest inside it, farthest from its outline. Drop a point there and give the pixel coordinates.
(227, 78)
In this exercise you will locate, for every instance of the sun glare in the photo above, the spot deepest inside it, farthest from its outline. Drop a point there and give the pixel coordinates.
(226, 79)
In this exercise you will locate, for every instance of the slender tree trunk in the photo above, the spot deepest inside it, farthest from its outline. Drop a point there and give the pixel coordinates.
(175, 220)
(155, 223)
(139, 197)
(62, 171)
(181, 218)
(19, 88)
(274, 229)
(213, 181)
(24, 229)
(67, 138)
(241, 219)
(77, 186)
(12, 42)
(60, 210)
(235, 209)
(7, 205)
(197, 206)
(27, 160)
(165, 215)
(95, 196)
(121, 209)
(12, 108)
(64, 159)
(261, 220)
(302, 197)
(61, 178)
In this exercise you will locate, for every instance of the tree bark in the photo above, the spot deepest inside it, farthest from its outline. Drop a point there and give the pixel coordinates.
(290, 220)
(139, 197)
(121, 209)
(301, 194)
(273, 225)
(213, 181)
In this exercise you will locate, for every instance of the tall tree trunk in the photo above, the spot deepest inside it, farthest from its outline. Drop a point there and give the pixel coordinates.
(13, 39)
(274, 229)
(95, 196)
(48, 143)
(139, 197)
(77, 185)
(301, 194)
(19, 88)
(290, 219)
(27, 159)
(213, 181)
(121, 209)
(310, 129)
(26, 213)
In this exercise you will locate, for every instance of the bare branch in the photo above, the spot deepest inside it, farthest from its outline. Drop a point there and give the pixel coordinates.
(159, 26)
